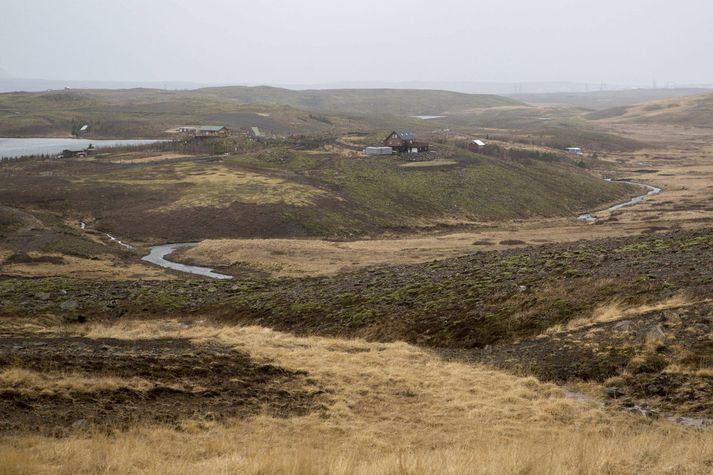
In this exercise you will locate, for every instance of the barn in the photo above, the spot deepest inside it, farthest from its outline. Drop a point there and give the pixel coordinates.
(404, 141)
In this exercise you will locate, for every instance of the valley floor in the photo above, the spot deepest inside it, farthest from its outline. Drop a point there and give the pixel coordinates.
(544, 345)
(682, 171)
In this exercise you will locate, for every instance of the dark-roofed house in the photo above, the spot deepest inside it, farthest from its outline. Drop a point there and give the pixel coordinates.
(404, 141)
(212, 131)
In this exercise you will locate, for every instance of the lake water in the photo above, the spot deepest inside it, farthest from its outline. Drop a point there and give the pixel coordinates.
(10, 148)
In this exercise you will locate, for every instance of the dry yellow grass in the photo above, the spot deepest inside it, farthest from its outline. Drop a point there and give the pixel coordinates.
(32, 383)
(394, 409)
(220, 187)
(140, 158)
(615, 310)
(439, 162)
(307, 257)
(106, 268)
(4, 255)
(702, 372)
(216, 185)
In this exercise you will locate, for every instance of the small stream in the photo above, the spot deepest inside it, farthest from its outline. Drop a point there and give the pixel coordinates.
(590, 218)
(158, 255)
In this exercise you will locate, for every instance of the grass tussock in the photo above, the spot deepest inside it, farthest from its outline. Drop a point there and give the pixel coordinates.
(616, 310)
(393, 409)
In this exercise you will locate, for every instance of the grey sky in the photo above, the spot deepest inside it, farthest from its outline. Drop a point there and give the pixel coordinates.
(313, 41)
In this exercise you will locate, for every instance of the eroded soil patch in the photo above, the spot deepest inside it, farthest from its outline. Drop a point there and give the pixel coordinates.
(661, 359)
(113, 383)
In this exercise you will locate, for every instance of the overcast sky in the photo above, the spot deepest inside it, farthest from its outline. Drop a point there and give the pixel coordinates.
(321, 41)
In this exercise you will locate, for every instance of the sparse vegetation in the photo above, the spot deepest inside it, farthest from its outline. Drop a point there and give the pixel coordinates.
(505, 345)
(279, 190)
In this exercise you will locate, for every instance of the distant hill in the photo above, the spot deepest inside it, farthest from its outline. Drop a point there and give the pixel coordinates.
(694, 110)
(362, 101)
(602, 100)
(149, 112)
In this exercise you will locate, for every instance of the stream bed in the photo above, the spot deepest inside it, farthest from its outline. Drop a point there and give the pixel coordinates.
(590, 218)
(158, 255)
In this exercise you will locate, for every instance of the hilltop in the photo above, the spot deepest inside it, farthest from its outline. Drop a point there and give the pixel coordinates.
(602, 100)
(363, 101)
(139, 113)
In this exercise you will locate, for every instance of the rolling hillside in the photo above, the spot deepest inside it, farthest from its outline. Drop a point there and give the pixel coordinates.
(139, 113)
(281, 191)
(693, 111)
(362, 101)
(602, 100)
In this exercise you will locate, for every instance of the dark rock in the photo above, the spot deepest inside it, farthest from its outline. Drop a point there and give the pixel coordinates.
(615, 392)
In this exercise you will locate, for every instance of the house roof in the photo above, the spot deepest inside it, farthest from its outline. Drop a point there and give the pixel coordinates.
(212, 128)
(256, 131)
(84, 127)
(405, 134)
(479, 143)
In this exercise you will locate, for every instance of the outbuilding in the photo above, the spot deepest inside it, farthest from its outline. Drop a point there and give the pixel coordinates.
(476, 145)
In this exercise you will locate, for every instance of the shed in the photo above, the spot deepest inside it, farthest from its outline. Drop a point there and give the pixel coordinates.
(476, 145)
